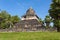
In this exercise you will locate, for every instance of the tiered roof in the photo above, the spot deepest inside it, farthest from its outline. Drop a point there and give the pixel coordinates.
(30, 12)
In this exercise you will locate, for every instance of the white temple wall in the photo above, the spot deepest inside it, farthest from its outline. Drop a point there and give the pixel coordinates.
(28, 18)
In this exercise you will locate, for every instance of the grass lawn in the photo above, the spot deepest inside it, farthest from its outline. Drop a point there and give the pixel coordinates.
(30, 36)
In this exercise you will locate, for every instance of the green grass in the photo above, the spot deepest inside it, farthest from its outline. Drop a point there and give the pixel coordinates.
(30, 36)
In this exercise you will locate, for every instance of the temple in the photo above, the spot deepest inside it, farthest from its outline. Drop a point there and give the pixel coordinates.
(29, 22)
(30, 14)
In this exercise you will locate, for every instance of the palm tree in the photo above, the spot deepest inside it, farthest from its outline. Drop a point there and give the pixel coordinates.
(47, 21)
(54, 12)
(6, 20)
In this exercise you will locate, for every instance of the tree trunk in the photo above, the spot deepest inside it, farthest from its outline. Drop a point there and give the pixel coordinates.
(58, 29)
(58, 26)
(47, 24)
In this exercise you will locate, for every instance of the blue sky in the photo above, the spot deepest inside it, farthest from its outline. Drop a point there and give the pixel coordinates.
(19, 7)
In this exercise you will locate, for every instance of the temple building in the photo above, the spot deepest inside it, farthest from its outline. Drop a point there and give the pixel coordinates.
(29, 22)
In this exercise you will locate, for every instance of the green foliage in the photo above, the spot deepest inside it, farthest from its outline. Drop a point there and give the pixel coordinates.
(58, 22)
(40, 20)
(15, 19)
(54, 12)
(3, 25)
(47, 21)
(6, 20)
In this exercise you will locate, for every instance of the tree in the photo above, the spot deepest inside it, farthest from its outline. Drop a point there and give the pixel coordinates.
(54, 12)
(47, 21)
(15, 19)
(5, 19)
(41, 21)
(1, 19)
